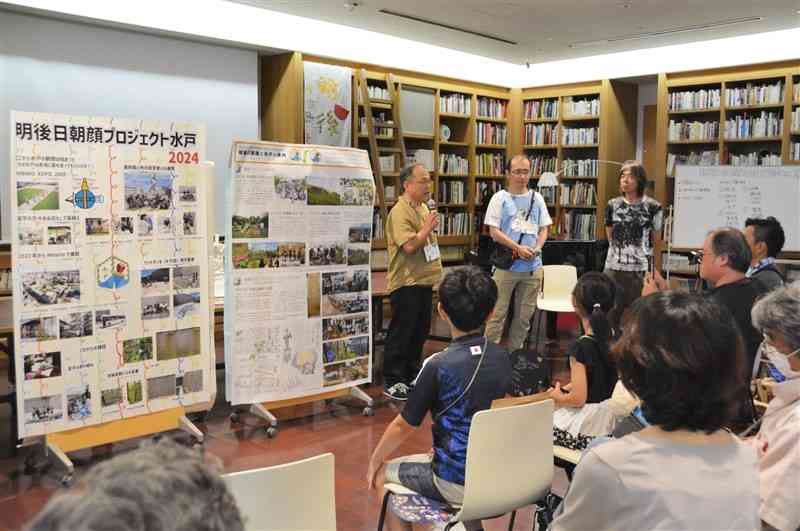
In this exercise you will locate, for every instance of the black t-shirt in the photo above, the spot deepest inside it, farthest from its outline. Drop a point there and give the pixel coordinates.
(442, 379)
(601, 375)
(739, 297)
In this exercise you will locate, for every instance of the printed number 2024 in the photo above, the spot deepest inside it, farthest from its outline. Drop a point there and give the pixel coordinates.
(183, 157)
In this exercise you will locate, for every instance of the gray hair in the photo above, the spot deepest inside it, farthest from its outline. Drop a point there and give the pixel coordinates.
(731, 243)
(406, 172)
(157, 487)
(778, 314)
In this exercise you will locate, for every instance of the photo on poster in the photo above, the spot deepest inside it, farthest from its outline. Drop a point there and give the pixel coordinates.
(250, 226)
(324, 190)
(38, 329)
(109, 318)
(345, 281)
(357, 192)
(360, 233)
(161, 386)
(190, 382)
(186, 304)
(78, 324)
(186, 277)
(113, 273)
(148, 190)
(137, 349)
(358, 254)
(39, 195)
(187, 194)
(346, 371)
(48, 288)
(98, 226)
(43, 409)
(173, 344)
(165, 224)
(326, 254)
(79, 402)
(339, 327)
(291, 189)
(59, 235)
(30, 234)
(133, 391)
(154, 280)
(346, 349)
(110, 397)
(40, 365)
(122, 225)
(155, 307)
(313, 294)
(344, 303)
(145, 225)
(259, 255)
(189, 223)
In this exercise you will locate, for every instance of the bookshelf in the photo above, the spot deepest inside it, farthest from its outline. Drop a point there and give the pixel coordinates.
(567, 129)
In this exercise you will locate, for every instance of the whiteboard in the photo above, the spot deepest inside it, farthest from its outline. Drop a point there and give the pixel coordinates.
(710, 197)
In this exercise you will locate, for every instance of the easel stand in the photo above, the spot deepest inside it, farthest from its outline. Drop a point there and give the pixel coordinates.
(262, 410)
(61, 443)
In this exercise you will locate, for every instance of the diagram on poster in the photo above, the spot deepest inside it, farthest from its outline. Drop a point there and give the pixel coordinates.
(297, 298)
(111, 302)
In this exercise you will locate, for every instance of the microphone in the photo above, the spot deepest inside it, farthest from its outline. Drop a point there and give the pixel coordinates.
(432, 207)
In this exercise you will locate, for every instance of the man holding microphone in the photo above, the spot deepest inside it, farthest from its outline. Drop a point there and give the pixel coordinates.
(518, 220)
(415, 266)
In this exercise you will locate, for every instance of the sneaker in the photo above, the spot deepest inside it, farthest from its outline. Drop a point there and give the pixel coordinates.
(398, 391)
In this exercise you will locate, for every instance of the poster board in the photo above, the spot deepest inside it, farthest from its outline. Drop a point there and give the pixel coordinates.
(710, 197)
(297, 295)
(111, 296)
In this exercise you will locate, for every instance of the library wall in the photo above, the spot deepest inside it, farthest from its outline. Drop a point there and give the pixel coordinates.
(60, 67)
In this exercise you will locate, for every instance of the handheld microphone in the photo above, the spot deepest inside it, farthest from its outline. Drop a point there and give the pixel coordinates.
(432, 207)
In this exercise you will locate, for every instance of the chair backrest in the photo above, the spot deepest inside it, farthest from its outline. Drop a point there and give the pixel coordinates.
(559, 281)
(509, 459)
(298, 495)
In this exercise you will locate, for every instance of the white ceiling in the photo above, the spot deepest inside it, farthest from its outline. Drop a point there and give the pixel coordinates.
(546, 30)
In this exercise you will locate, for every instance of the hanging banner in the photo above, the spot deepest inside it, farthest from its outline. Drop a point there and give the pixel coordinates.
(111, 302)
(297, 270)
(328, 104)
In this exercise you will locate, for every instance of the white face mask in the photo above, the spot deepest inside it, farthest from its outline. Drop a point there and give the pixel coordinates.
(781, 361)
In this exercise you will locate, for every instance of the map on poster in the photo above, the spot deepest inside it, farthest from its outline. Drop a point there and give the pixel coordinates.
(297, 271)
(111, 302)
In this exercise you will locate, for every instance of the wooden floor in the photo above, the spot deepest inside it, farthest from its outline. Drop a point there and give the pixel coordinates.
(340, 429)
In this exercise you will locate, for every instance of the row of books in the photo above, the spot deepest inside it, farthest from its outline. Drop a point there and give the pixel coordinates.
(421, 156)
(794, 151)
(492, 108)
(541, 109)
(581, 107)
(491, 163)
(542, 163)
(453, 223)
(580, 167)
(541, 134)
(378, 231)
(455, 103)
(452, 192)
(796, 92)
(484, 190)
(696, 130)
(388, 163)
(379, 118)
(689, 100)
(678, 263)
(489, 133)
(453, 163)
(751, 94)
(577, 225)
(389, 192)
(748, 126)
(578, 194)
(694, 158)
(377, 92)
(549, 194)
(796, 119)
(755, 159)
(580, 135)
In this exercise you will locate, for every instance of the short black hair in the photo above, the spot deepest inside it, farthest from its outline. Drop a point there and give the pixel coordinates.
(637, 170)
(682, 354)
(595, 296)
(770, 232)
(468, 296)
(518, 156)
(731, 243)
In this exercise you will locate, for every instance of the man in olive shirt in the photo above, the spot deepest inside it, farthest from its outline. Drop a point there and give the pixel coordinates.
(414, 267)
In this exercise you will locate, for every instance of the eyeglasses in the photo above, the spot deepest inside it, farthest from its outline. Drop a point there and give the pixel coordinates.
(520, 173)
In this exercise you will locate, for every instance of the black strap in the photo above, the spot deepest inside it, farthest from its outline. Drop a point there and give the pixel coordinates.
(530, 207)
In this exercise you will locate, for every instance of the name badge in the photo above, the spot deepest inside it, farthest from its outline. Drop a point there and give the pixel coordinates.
(432, 252)
(524, 226)
(475, 350)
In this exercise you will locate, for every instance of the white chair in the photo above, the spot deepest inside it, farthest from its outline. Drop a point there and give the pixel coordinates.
(558, 281)
(509, 463)
(298, 495)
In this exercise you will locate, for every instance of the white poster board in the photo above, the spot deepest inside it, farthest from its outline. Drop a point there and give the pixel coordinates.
(710, 197)
(111, 297)
(297, 294)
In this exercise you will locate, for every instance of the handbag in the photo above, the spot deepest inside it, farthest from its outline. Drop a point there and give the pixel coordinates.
(502, 257)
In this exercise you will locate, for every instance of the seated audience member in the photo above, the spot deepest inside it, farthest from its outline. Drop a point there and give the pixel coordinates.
(765, 238)
(452, 386)
(778, 440)
(158, 487)
(682, 356)
(592, 374)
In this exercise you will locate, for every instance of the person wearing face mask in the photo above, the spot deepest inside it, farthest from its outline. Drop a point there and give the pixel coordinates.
(777, 315)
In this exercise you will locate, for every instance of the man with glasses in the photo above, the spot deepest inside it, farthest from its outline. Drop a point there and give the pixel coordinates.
(414, 267)
(517, 219)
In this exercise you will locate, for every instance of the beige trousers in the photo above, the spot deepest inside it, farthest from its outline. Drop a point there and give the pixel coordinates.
(527, 287)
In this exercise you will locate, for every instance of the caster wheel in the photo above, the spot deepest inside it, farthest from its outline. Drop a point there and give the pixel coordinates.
(235, 417)
(368, 412)
(272, 432)
(66, 481)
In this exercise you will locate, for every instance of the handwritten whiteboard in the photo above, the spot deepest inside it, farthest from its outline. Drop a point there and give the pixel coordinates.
(709, 197)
